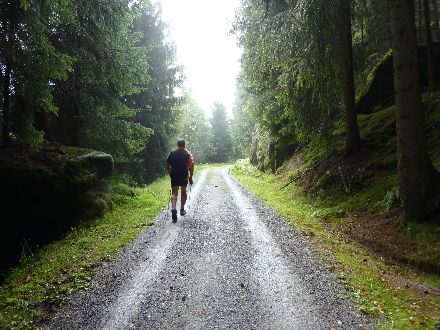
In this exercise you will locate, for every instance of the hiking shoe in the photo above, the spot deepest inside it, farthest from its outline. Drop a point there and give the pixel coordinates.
(174, 215)
(182, 212)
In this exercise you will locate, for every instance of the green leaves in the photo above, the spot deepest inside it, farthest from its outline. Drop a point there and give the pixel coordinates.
(292, 65)
(97, 74)
(222, 144)
(26, 30)
(195, 129)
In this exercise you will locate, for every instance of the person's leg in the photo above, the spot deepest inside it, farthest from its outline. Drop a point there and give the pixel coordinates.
(183, 197)
(175, 192)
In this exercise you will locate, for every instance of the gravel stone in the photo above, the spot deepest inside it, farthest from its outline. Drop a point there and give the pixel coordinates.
(229, 263)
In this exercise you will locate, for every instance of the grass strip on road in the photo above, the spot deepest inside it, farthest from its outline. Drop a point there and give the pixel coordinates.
(370, 281)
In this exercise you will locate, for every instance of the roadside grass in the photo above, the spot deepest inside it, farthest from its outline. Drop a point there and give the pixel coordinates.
(200, 167)
(39, 282)
(373, 284)
(37, 286)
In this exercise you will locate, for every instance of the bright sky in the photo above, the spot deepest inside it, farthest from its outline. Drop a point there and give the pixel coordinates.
(210, 55)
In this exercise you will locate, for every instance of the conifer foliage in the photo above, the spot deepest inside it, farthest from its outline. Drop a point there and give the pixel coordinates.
(308, 63)
(97, 74)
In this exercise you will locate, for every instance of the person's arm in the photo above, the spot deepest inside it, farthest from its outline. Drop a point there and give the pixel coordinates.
(190, 168)
(167, 165)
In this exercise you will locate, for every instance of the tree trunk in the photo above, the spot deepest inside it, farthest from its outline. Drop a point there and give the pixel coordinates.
(436, 18)
(6, 105)
(352, 129)
(76, 114)
(429, 46)
(414, 167)
(42, 122)
(363, 4)
(419, 25)
(1, 106)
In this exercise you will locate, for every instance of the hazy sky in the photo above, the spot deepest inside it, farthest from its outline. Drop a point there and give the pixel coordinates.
(200, 29)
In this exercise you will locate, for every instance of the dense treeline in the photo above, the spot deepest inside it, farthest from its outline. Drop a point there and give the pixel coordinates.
(95, 74)
(306, 63)
(100, 75)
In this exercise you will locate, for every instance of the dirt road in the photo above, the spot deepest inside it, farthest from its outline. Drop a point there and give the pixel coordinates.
(230, 263)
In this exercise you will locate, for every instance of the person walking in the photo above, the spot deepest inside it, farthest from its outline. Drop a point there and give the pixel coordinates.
(180, 167)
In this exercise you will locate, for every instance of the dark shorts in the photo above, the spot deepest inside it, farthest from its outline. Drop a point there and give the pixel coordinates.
(179, 181)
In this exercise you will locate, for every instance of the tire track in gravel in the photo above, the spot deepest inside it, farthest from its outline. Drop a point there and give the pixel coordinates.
(286, 300)
(129, 299)
(230, 263)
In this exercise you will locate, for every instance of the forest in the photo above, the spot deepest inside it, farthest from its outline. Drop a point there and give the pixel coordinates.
(307, 64)
(335, 122)
(98, 75)
(92, 97)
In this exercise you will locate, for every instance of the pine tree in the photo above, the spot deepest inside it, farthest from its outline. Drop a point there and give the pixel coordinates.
(32, 65)
(415, 171)
(221, 142)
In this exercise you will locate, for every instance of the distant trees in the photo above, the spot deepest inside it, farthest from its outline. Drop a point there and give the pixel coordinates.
(221, 138)
(209, 140)
(196, 130)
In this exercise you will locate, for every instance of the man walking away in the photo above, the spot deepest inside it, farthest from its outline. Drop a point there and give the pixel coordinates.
(180, 167)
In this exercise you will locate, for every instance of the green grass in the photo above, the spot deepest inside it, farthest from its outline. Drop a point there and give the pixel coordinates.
(41, 280)
(365, 276)
(433, 111)
(373, 198)
(68, 264)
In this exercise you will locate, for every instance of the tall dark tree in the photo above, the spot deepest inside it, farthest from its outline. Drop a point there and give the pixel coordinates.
(6, 103)
(109, 67)
(429, 45)
(352, 131)
(419, 15)
(222, 144)
(415, 170)
(30, 64)
(435, 19)
(156, 103)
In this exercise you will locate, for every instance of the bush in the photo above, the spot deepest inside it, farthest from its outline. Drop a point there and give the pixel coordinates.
(391, 199)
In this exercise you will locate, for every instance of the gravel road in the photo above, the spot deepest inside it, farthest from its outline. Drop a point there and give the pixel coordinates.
(230, 263)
